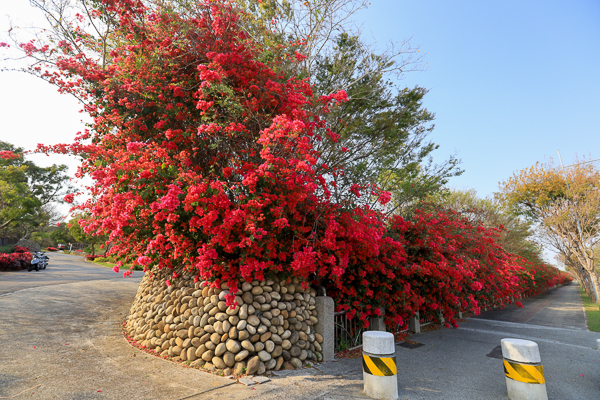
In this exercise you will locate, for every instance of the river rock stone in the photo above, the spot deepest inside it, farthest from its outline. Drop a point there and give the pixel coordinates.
(190, 321)
(271, 364)
(256, 290)
(294, 337)
(246, 344)
(269, 346)
(296, 363)
(242, 355)
(220, 350)
(303, 355)
(233, 346)
(261, 329)
(239, 368)
(264, 356)
(253, 320)
(243, 335)
(191, 354)
(261, 368)
(253, 365)
(219, 363)
(208, 355)
(248, 298)
(229, 359)
(295, 351)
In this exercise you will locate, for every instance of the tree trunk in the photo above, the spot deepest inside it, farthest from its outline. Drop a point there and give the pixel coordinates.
(596, 287)
(581, 279)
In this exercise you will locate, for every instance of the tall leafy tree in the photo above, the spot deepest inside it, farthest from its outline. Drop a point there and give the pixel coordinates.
(516, 235)
(566, 204)
(27, 190)
(383, 127)
(384, 130)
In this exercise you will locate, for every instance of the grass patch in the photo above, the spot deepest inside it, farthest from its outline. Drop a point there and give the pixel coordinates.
(591, 310)
(7, 249)
(109, 264)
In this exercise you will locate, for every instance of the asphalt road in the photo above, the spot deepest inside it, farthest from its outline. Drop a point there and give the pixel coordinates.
(62, 268)
(560, 308)
(60, 338)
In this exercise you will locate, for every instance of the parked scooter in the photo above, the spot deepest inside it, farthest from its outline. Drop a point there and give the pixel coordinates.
(39, 261)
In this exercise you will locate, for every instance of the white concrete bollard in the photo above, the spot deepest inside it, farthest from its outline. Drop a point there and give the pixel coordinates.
(379, 365)
(598, 344)
(523, 370)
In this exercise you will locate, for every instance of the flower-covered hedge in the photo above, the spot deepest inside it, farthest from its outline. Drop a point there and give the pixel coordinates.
(20, 258)
(437, 263)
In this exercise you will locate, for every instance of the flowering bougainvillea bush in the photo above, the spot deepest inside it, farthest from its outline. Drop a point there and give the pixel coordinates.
(203, 159)
(438, 264)
(20, 258)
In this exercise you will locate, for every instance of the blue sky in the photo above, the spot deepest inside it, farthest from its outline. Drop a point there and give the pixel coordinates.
(510, 82)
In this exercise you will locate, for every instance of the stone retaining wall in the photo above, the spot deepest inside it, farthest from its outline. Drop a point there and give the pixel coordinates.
(272, 323)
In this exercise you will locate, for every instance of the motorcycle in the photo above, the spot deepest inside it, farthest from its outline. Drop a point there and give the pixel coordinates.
(39, 261)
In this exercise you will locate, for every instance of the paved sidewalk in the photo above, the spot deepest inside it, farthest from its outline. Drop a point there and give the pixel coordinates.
(64, 341)
(560, 307)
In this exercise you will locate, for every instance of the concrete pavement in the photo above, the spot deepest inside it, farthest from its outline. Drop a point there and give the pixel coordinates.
(63, 341)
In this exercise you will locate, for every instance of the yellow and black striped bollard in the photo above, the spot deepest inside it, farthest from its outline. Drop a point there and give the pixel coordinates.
(379, 365)
(523, 370)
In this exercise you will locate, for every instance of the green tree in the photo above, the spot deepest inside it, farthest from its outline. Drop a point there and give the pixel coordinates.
(27, 191)
(383, 127)
(517, 235)
(77, 231)
(565, 203)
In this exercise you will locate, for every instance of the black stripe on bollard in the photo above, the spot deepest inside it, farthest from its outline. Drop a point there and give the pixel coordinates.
(379, 366)
(524, 372)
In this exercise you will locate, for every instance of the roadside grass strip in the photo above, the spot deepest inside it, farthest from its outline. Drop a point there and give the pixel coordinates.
(591, 310)
(124, 267)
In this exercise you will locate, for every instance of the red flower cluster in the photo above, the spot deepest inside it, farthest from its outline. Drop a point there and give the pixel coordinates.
(20, 258)
(7, 155)
(438, 264)
(203, 158)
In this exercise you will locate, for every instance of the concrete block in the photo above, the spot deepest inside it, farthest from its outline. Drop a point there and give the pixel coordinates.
(377, 323)
(326, 326)
(414, 325)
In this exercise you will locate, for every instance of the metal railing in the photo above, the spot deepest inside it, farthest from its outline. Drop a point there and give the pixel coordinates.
(348, 332)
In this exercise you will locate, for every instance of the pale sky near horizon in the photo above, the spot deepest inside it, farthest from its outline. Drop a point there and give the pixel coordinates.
(510, 82)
